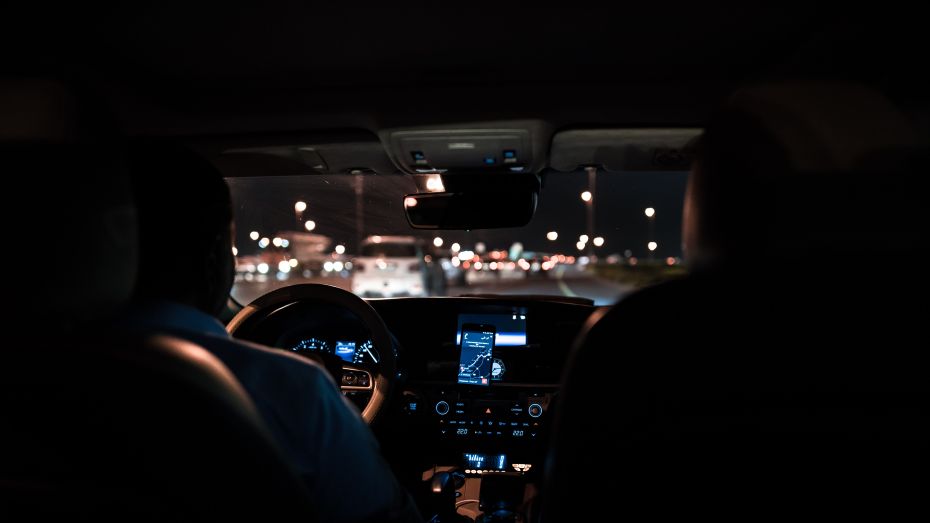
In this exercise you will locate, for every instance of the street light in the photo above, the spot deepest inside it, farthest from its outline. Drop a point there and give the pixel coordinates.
(552, 236)
(583, 238)
(254, 235)
(437, 241)
(340, 249)
(310, 225)
(276, 241)
(300, 206)
(235, 251)
(588, 198)
(264, 242)
(580, 246)
(598, 241)
(455, 248)
(651, 218)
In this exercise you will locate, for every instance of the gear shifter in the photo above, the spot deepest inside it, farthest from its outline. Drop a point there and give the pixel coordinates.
(501, 497)
(442, 487)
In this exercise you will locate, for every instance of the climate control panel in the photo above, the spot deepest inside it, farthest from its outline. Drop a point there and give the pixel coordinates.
(454, 414)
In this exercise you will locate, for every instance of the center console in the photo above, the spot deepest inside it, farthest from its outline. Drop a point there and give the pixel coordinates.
(478, 397)
(486, 411)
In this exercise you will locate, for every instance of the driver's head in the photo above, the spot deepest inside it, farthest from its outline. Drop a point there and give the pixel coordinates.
(185, 228)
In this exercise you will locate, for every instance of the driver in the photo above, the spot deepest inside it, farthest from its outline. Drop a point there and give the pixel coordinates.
(185, 275)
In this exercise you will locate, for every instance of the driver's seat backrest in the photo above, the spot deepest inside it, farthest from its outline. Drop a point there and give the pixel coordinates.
(96, 424)
(152, 429)
(779, 385)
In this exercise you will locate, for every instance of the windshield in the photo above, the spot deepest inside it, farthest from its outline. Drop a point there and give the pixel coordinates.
(598, 237)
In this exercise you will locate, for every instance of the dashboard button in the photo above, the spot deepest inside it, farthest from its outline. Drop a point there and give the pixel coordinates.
(442, 408)
(535, 410)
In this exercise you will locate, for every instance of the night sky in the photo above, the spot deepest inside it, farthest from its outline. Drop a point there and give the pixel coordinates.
(266, 204)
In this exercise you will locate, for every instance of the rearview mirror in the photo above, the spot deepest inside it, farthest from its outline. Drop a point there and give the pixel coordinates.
(467, 206)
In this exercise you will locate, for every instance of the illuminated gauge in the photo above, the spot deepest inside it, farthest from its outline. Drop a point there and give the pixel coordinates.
(366, 353)
(497, 369)
(312, 345)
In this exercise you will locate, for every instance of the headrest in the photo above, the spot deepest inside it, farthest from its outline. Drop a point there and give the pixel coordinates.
(825, 127)
(793, 170)
(74, 223)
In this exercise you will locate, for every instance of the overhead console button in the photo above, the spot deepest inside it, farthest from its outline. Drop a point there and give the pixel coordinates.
(419, 158)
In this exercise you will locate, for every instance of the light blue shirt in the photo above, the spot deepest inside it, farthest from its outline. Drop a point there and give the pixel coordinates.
(329, 444)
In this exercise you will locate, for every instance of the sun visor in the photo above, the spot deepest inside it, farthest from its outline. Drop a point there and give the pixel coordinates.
(345, 152)
(623, 149)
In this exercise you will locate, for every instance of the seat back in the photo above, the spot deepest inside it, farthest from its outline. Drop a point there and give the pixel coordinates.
(140, 429)
(786, 383)
(96, 424)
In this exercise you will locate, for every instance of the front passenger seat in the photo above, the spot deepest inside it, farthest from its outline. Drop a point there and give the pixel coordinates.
(784, 378)
(95, 424)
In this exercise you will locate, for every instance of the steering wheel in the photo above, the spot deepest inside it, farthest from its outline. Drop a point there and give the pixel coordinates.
(350, 377)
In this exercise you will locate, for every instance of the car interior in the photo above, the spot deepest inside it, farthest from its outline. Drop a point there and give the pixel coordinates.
(771, 370)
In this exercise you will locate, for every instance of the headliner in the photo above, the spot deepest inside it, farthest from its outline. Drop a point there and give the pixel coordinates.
(196, 70)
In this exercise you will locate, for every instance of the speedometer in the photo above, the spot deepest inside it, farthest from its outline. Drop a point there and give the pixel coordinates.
(312, 345)
(366, 353)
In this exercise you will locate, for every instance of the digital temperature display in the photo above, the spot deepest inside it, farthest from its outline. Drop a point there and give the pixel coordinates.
(478, 462)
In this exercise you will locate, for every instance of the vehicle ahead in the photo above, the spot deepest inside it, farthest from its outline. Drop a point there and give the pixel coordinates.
(389, 266)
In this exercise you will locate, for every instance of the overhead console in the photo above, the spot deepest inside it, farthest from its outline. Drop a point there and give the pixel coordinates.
(623, 149)
(505, 147)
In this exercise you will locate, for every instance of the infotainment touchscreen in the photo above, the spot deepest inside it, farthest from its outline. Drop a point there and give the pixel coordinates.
(510, 328)
(475, 365)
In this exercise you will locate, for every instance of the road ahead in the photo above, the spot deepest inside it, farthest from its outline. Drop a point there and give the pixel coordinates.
(568, 283)
(562, 281)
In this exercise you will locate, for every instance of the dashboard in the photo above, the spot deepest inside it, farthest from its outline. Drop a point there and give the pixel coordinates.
(477, 378)
(458, 401)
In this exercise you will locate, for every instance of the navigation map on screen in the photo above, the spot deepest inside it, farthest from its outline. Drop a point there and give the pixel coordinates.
(476, 358)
